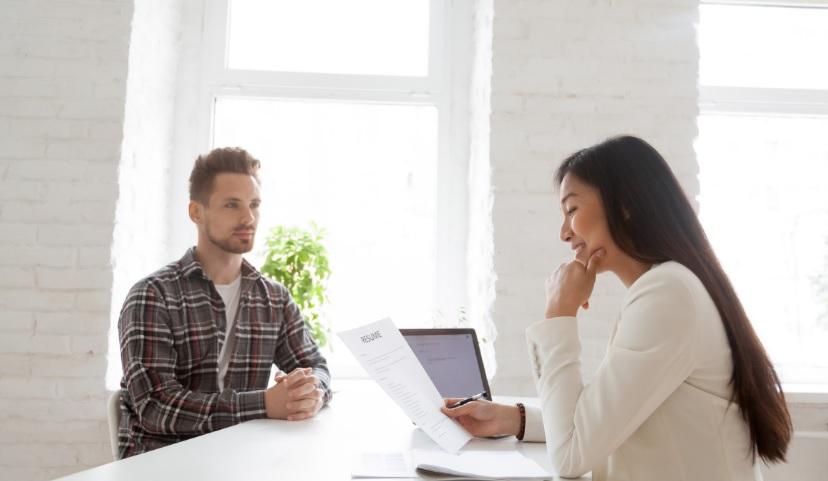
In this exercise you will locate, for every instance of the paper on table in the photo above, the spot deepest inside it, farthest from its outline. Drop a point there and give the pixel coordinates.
(496, 464)
(434, 464)
(383, 465)
(381, 349)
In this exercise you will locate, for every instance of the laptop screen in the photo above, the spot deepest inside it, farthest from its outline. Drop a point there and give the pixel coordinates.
(451, 357)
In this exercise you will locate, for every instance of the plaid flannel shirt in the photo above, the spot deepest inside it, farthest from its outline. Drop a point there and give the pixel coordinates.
(172, 328)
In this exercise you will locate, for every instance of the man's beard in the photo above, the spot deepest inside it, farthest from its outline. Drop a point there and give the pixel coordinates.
(227, 245)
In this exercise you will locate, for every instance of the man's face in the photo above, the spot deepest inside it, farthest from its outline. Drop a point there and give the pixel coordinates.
(231, 215)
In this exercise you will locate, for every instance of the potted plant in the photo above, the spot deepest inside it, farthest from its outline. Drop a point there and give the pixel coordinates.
(296, 258)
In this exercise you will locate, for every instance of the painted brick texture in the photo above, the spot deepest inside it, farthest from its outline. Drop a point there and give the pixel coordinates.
(63, 68)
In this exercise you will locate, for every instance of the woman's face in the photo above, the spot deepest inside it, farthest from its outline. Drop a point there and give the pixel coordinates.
(585, 226)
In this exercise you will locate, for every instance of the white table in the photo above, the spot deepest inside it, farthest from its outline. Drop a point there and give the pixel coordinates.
(360, 419)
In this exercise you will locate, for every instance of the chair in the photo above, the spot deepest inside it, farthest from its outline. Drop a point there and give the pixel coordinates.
(114, 415)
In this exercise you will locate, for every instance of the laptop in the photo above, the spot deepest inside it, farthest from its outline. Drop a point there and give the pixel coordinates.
(451, 357)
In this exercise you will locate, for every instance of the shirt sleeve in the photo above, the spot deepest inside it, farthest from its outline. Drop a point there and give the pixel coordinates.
(296, 348)
(162, 404)
(652, 353)
(533, 429)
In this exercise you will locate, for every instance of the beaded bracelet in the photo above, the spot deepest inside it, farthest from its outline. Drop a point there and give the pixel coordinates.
(522, 430)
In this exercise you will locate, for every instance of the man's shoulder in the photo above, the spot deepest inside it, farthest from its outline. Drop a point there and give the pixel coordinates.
(160, 281)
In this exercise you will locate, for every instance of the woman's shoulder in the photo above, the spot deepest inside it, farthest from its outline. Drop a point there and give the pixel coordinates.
(669, 287)
(664, 306)
(670, 276)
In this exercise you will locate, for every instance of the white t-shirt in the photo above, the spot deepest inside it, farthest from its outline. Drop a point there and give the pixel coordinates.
(230, 294)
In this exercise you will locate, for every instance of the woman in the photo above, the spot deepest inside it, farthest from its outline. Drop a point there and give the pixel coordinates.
(686, 390)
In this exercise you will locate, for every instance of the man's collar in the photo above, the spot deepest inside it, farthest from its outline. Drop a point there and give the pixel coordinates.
(189, 265)
(248, 271)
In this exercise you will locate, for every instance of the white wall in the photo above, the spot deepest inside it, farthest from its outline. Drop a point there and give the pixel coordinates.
(141, 238)
(566, 75)
(63, 69)
(480, 274)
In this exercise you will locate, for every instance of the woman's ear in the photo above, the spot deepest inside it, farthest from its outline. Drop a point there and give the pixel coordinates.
(626, 213)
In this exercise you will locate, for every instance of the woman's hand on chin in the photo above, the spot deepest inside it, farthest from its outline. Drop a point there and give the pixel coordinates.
(571, 285)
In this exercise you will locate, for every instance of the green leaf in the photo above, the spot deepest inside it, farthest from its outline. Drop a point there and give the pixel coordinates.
(298, 259)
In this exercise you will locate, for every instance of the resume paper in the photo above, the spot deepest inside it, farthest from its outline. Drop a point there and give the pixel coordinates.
(381, 349)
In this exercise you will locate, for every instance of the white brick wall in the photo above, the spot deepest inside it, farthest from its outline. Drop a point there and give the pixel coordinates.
(564, 76)
(68, 115)
(480, 273)
(144, 177)
(63, 69)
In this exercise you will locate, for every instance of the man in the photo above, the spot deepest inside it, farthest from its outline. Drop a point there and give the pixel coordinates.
(199, 337)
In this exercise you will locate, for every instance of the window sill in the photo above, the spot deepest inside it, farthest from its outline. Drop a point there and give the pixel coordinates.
(806, 393)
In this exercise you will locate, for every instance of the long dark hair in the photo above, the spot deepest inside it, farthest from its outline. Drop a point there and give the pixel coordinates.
(652, 221)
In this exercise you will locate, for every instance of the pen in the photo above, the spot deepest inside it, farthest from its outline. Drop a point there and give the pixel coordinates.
(468, 400)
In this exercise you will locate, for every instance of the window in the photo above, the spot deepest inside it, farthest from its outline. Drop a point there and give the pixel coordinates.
(349, 106)
(763, 162)
(367, 37)
(367, 173)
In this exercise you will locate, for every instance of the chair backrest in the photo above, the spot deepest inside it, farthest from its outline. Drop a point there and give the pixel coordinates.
(113, 409)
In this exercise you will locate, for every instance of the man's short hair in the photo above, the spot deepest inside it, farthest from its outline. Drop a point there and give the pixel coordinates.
(232, 160)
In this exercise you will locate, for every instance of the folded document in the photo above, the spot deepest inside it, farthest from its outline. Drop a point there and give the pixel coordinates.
(499, 464)
(440, 465)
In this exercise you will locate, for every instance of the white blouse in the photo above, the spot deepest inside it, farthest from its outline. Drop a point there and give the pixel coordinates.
(657, 408)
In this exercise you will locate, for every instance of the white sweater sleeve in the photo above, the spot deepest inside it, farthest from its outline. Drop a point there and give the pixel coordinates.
(652, 353)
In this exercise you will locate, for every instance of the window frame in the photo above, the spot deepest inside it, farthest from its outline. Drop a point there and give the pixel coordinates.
(446, 86)
(715, 99)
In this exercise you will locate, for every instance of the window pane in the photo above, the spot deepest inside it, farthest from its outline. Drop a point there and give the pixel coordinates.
(764, 204)
(370, 37)
(366, 173)
(757, 46)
